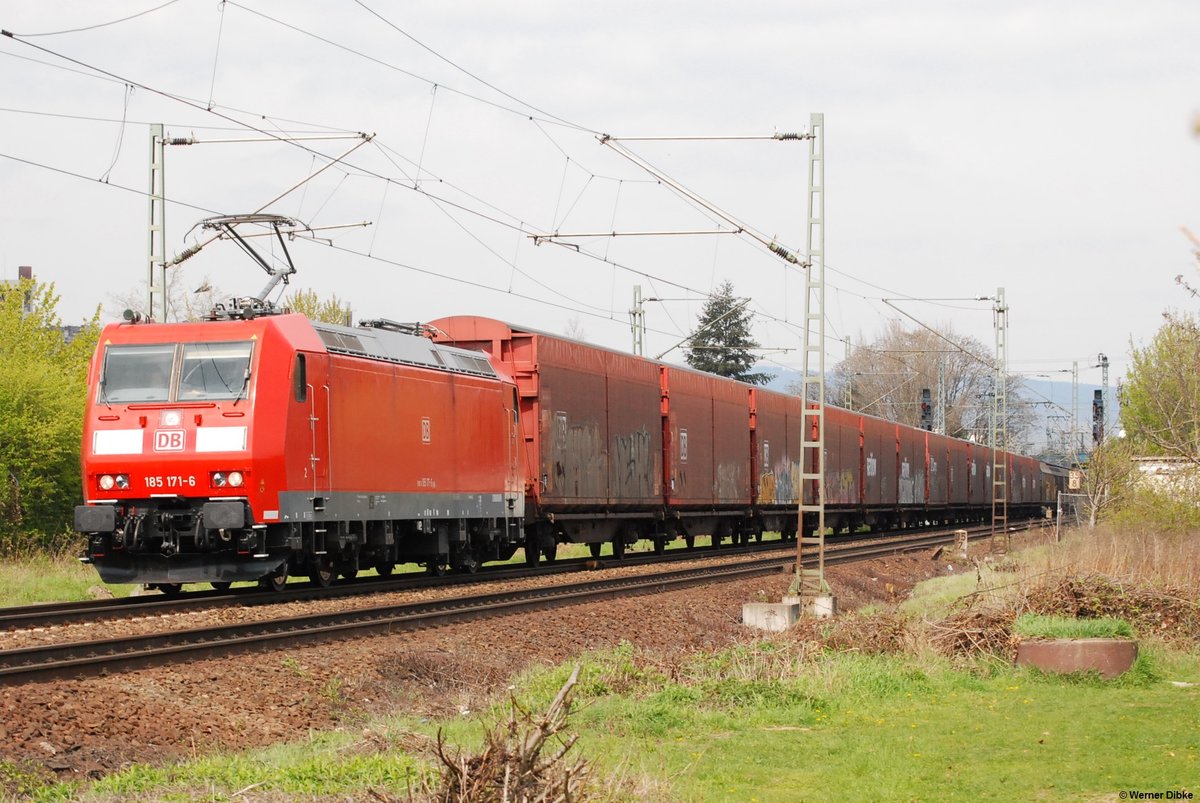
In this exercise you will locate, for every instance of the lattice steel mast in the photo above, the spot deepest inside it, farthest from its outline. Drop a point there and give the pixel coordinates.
(812, 437)
(156, 277)
(1000, 428)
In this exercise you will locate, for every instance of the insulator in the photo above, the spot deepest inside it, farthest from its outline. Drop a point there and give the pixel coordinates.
(779, 250)
(791, 135)
(186, 254)
(181, 141)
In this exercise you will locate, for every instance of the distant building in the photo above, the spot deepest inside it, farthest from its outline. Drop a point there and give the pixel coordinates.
(23, 272)
(1173, 475)
(26, 272)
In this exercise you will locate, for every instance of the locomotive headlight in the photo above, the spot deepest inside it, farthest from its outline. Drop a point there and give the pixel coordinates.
(219, 479)
(122, 481)
(235, 479)
(171, 418)
(107, 482)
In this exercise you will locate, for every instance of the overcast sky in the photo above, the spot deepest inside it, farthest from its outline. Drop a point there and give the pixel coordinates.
(1047, 148)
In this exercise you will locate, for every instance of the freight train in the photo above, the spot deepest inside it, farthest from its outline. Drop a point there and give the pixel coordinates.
(257, 447)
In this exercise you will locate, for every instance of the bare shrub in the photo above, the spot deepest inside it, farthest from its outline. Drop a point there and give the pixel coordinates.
(1161, 611)
(513, 766)
(974, 633)
(880, 633)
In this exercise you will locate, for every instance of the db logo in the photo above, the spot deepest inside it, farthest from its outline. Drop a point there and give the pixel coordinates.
(168, 440)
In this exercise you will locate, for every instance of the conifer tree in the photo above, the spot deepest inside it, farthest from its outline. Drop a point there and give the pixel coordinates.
(721, 343)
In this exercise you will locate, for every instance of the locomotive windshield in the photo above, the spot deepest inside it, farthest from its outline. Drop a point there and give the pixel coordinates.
(214, 370)
(137, 373)
(144, 373)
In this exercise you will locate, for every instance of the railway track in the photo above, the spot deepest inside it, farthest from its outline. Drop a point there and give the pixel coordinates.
(80, 659)
(56, 613)
(59, 613)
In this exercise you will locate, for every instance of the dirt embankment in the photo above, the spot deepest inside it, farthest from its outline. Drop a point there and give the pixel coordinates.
(91, 727)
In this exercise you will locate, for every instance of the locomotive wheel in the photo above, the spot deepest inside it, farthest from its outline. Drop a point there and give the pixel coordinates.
(618, 547)
(275, 581)
(170, 589)
(550, 550)
(436, 568)
(221, 585)
(320, 573)
(689, 541)
(349, 572)
(595, 549)
(660, 546)
(385, 569)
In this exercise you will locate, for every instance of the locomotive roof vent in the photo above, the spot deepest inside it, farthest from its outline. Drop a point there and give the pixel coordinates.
(407, 344)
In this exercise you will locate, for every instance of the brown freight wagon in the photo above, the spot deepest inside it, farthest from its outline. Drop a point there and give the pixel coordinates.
(592, 422)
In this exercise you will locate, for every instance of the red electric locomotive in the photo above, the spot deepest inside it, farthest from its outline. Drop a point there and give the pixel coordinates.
(255, 448)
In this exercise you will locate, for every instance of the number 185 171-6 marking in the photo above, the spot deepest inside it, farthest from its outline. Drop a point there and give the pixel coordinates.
(171, 481)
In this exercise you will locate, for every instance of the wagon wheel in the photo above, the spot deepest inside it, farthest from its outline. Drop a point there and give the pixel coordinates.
(170, 589)
(550, 549)
(384, 569)
(436, 567)
(618, 547)
(466, 562)
(595, 548)
(221, 585)
(660, 545)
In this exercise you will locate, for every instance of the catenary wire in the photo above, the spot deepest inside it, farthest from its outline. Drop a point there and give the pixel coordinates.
(323, 156)
(104, 24)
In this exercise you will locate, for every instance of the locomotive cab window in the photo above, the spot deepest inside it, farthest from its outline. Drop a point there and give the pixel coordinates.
(300, 378)
(214, 371)
(136, 374)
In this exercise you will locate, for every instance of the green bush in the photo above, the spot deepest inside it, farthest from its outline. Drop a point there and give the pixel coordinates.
(43, 388)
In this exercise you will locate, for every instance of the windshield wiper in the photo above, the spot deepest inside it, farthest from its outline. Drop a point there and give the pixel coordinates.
(104, 394)
(242, 389)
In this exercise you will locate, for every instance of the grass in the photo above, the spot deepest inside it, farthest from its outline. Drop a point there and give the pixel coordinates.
(1061, 627)
(327, 764)
(1133, 555)
(33, 580)
(782, 719)
(769, 721)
